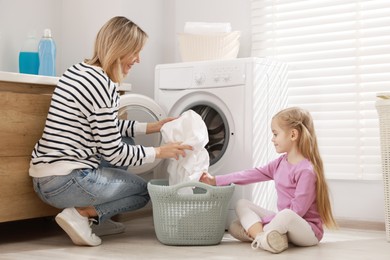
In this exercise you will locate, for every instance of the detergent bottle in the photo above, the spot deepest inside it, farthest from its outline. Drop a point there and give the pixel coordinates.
(28, 55)
(47, 54)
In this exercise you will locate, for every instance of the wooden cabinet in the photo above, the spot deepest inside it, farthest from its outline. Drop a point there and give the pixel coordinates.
(24, 103)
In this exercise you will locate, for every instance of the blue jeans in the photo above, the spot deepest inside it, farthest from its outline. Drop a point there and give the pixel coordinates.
(111, 190)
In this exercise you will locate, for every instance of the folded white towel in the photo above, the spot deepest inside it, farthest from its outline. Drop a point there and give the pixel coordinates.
(206, 28)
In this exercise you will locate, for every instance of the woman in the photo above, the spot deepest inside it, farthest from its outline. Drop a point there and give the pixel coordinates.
(80, 162)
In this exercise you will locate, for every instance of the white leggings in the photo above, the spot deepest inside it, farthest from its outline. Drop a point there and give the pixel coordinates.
(286, 221)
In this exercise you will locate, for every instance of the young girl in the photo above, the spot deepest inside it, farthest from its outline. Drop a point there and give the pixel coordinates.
(80, 162)
(303, 200)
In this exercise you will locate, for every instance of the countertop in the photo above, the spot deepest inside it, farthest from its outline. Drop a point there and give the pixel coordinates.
(41, 80)
(27, 78)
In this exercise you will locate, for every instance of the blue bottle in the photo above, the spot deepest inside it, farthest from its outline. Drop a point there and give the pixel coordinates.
(28, 56)
(47, 55)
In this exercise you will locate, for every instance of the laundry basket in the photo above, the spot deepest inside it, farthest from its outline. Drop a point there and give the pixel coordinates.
(198, 218)
(383, 108)
(219, 46)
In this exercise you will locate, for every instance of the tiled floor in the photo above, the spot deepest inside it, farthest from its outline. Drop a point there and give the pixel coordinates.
(43, 239)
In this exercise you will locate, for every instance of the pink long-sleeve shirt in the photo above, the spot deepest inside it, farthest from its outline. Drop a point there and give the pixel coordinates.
(295, 186)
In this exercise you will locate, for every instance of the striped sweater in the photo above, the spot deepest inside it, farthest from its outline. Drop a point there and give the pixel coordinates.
(82, 127)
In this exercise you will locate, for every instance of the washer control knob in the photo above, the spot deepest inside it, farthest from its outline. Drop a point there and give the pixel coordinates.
(226, 77)
(199, 79)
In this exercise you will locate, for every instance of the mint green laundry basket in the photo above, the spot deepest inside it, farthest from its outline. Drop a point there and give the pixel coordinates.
(196, 218)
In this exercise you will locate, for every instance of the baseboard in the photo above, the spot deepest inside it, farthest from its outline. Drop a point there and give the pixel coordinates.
(342, 223)
(361, 224)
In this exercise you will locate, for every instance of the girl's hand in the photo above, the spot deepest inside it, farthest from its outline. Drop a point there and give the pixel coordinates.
(207, 178)
(172, 150)
(155, 127)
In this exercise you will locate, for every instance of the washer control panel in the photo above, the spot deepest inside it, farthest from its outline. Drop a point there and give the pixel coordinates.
(205, 74)
(221, 75)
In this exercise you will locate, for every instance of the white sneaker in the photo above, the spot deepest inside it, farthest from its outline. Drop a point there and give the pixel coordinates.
(238, 232)
(77, 227)
(108, 227)
(272, 241)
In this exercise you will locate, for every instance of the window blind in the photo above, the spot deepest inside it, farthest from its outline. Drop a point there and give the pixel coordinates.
(338, 52)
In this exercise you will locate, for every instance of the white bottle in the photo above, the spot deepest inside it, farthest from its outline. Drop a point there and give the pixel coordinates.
(47, 55)
(28, 55)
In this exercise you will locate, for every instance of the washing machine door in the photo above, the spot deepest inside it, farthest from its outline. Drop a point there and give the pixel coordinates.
(143, 109)
(218, 120)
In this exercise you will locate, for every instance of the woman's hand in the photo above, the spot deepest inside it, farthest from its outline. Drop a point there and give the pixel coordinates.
(155, 127)
(172, 150)
(208, 179)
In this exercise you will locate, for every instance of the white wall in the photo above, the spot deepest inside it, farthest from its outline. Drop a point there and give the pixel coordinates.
(78, 29)
(358, 200)
(17, 19)
(75, 23)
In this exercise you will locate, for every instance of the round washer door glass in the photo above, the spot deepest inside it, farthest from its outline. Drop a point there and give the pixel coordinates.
(143, 109)
(217, 128)
(218, 120)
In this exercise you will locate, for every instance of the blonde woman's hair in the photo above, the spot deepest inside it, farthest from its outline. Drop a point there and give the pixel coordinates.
(301, 120)
(117, 38)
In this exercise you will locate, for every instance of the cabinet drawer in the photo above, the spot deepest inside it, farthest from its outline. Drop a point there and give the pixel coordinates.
(22, 118)
(18, 199)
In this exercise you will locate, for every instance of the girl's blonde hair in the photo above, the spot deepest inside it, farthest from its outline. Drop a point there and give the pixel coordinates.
(301, 120)
(119, 37)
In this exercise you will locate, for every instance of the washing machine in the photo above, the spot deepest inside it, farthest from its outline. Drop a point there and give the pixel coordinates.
(236, 99)
(143, 109)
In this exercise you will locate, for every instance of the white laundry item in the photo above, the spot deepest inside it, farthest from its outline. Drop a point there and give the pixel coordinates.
(202, 28)
(189, 129)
